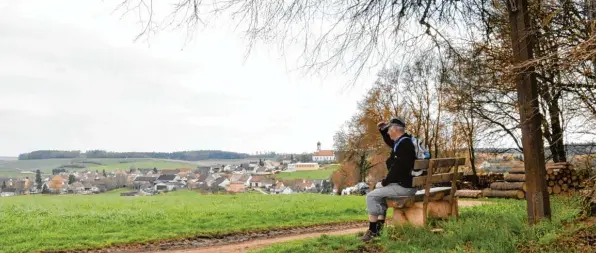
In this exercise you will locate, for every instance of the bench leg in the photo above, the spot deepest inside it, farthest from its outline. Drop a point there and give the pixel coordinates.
(399, 217)
(416, 214)
(455, 207)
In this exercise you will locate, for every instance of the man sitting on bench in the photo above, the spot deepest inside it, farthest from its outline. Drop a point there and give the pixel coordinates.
(398, 181)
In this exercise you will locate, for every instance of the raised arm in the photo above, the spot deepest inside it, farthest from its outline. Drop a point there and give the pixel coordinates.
(384, 134)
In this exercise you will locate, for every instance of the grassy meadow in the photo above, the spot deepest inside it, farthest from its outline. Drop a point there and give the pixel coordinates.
(52, 222)
(12, 168)
(497, 227)
(323, 173)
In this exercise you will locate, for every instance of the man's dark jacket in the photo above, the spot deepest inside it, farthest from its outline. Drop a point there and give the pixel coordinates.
(401, 161)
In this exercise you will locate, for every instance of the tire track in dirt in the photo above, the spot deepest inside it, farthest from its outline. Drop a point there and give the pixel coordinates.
(262, 243)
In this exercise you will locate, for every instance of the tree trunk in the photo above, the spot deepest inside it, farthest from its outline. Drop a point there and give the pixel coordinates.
(521, 35)
(471, 151)
(558, 150)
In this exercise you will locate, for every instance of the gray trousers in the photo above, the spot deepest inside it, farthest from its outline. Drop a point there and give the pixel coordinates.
(376, 203)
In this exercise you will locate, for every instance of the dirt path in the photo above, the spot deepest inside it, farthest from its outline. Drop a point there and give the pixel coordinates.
(262, 243)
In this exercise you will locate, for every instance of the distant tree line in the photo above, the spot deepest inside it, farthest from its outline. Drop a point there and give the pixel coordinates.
(47, 154)
(265, 154)
(182, 155)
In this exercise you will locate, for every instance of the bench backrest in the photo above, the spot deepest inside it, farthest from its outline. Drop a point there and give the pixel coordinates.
(439, 170)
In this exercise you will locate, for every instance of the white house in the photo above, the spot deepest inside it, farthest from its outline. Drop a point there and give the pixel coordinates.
(302, 166)
(287, 190)
(163, 186)
(225, 182)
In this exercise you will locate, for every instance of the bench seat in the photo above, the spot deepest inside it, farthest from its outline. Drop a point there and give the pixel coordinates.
(435, 193)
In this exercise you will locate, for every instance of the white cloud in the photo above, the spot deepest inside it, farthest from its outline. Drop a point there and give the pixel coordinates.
(71, 78)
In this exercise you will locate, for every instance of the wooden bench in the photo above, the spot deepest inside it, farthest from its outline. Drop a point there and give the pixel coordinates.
(433, 202)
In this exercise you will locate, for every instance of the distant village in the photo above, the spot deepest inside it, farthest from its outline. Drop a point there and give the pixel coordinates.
(259, 175)
(251, 176)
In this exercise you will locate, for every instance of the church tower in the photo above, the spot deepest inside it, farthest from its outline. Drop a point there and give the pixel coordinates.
(318, 146)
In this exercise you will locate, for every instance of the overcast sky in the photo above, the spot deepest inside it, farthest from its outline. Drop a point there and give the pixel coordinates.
(72, 78)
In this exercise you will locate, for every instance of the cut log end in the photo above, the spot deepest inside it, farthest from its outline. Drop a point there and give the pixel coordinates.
(556, 189)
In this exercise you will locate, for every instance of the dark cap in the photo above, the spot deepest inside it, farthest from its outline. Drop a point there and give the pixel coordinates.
(394, 121)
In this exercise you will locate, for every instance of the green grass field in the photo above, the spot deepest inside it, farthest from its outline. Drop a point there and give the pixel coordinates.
(11, 168)
(32, 223)
(160, 164)
(323, 173)
(499, 227)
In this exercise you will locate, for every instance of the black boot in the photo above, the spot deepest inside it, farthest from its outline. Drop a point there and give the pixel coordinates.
(380, 224)
(371, 233)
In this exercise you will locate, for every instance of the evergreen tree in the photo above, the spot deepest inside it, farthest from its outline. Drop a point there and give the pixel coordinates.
(155, 170)
(45, 189)
(71, 179)
(3, 185)
(104, 172)
(38, 179)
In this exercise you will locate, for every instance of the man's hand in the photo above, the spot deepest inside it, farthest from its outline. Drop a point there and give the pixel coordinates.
(381, 123)
(378, 185)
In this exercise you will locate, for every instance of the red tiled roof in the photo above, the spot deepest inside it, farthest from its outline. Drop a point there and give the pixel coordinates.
(256, 179)
(324, 153)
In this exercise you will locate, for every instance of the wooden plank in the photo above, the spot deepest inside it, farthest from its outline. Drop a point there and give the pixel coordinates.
(421, 164)
(446, 162)
(437, 178)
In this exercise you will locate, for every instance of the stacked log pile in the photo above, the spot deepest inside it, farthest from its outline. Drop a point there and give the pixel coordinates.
(486, 179)
(562, 179)
(513, 186)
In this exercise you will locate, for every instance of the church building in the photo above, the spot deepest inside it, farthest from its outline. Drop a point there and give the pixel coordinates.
(323, 155)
